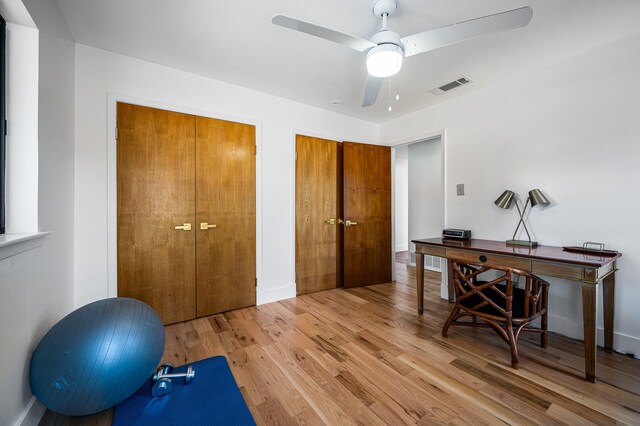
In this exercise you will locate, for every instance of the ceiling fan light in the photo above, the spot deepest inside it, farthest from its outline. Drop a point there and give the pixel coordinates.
(384, 60)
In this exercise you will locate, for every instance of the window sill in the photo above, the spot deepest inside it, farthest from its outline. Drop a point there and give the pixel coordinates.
(12, 244)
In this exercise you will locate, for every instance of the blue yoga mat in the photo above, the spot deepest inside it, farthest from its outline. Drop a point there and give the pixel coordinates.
(213, 398)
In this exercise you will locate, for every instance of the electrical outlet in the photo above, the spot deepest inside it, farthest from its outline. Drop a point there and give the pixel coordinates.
(460, 188)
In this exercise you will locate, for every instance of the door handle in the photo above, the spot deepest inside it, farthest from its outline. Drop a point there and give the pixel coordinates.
(183, 227)
(205, 225)
(349, 223)
(330, 221)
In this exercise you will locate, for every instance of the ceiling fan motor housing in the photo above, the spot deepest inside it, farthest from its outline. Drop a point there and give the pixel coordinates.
(386, 37)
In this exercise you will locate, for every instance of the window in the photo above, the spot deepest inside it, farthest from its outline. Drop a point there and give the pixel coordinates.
(3, 122)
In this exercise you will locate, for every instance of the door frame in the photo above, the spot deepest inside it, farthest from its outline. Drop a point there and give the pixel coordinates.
(112, 194)
(442, 134)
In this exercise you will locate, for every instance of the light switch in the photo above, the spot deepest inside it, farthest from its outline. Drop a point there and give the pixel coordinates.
(460, 188)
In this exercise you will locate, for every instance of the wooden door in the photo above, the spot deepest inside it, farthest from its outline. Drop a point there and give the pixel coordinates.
(156, 193)
(226, 203)
(318, 234)
(367, 202)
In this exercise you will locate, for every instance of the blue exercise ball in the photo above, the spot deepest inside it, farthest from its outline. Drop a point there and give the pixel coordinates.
(97, 356)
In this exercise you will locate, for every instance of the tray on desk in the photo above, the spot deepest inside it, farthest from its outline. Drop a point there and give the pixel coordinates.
(591, 252)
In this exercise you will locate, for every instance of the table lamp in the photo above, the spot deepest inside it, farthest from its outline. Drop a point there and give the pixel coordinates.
(536, 197)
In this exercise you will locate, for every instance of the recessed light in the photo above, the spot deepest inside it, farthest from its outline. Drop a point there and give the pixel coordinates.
(336, 102)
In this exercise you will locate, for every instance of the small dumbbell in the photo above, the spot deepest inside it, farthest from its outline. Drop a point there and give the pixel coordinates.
(164, 374)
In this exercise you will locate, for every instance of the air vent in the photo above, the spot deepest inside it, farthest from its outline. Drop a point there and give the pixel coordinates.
(450, 86)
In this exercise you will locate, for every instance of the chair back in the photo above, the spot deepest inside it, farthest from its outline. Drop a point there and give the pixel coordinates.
(495, 298)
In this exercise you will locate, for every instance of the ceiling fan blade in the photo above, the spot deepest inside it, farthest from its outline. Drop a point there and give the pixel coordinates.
(356, 43)
(454, 33)
(371, 90)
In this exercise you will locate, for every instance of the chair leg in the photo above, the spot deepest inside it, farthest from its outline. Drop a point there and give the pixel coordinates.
(544, 335)
(512, 345)
(447, 324)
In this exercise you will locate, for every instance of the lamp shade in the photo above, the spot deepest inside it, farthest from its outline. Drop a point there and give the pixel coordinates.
(384, 60)
(504, 201)
(537, 197)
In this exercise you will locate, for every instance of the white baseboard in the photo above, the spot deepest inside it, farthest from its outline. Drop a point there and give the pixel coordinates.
(31, 414)
(402, 248)
(275, 294)
(568, 327)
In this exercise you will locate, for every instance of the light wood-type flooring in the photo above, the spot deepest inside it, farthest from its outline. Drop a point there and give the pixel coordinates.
(363, 356)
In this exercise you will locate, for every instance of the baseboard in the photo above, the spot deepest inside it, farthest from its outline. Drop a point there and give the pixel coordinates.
(275, 294)
(622, 343)
(402, 248)
(31, 414)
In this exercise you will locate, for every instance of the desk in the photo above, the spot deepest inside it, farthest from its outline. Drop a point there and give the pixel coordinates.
(587, 270)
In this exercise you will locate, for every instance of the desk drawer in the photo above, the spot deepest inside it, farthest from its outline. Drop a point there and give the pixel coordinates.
(572, 272)
(559, 270)
(474, 257)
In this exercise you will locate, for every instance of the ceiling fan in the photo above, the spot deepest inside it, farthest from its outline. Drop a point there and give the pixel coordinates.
(385, 49)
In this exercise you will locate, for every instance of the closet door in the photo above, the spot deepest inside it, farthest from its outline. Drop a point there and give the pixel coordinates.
(225, 215)
(318, 199)
(156, 195)
(367, 214)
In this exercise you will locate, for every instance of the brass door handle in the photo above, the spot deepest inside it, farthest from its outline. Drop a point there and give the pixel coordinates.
(349, 223)
(330, 221)
(183, 227)
(205, 225)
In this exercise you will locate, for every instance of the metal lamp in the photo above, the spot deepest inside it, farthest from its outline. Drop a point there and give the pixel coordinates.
(536, 197)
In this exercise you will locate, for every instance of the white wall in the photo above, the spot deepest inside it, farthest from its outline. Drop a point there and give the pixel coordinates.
(570, 129)
(36, 286)
(99, 73)
(401, 198)
(425, 190)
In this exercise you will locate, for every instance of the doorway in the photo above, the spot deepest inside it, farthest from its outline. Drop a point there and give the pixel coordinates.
(418, 198)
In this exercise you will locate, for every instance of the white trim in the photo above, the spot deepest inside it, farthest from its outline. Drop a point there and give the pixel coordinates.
(442, 134)
(22, 166)
(622, 343)
(402, 248)
(292, 243)
(112, 217)
(276, 294)
(31, 414)
(393, 215)
(12, 244)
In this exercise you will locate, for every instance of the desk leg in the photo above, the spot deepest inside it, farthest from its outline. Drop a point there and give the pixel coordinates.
(420, 281)
(608, 302)
(589, 314)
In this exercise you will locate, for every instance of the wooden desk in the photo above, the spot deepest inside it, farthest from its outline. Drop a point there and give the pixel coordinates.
(588, 270)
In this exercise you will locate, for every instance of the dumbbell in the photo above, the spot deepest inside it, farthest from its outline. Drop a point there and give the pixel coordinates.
(164, 374)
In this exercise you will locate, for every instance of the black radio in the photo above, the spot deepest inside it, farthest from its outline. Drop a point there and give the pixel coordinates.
(460, 234)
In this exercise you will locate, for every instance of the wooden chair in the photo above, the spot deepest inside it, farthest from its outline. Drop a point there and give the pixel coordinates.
(499, 303)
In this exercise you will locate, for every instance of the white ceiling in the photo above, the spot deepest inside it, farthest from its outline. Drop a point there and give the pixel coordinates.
(234, 41)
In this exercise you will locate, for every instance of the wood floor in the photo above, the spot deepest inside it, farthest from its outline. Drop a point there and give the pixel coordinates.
(363, 356)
